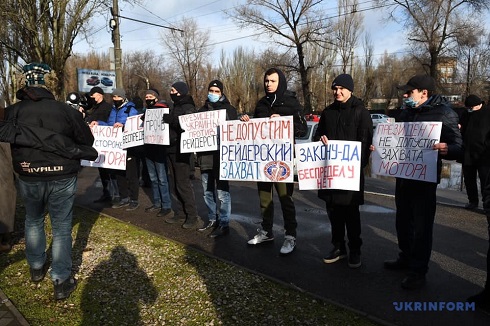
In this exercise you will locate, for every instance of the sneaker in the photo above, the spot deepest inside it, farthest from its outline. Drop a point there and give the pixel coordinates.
(220, 232)
(262, 236)
(190, 222)
(132, 206)
(288, 245)
(396, 265)
(152, 208)
(166, 213)
(175, 218)
(64, 289)
(413, 281)
(37, 275)
(334, 255)
(354, 260)
(210, 225)
(122, 203)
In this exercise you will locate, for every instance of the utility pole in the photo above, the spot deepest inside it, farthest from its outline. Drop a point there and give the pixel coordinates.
(116, 39)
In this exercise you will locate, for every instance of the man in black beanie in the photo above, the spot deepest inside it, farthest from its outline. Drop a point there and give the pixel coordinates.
(345, 119)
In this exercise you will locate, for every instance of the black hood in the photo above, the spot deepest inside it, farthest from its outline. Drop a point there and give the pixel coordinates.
(281, 87)
(33, 94)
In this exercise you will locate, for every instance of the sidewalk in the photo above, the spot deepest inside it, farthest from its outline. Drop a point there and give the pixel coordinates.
(457, 267)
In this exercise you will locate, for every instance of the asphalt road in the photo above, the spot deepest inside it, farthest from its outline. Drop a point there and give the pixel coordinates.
(457, 267)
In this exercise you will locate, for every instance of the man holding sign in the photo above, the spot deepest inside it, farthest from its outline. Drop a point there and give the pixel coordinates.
(345, 119)
(416, 199)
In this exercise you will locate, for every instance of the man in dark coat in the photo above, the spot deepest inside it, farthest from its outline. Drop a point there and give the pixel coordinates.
(416, 200)
(278, 101)
(216, 191)
(476, 139)
(345, 119)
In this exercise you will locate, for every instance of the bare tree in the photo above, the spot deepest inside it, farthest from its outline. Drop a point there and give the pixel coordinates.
(368, 84)
(291, 24)
(434, 24)
(347, 31)
(188, 50)
(44, 30)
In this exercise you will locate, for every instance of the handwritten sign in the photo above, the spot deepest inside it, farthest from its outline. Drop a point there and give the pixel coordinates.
(108, 142)
(258, 150)
(404, 150)
(336, 165)
(156, 132)
(133, 132)
(200, 131)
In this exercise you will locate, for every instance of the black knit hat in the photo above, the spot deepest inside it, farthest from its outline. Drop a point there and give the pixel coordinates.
(345, 81)
(181, 87)
(419, 82)
(153, 92)
(34, 73)
(472, 100)
(96, 89)
(216, 83)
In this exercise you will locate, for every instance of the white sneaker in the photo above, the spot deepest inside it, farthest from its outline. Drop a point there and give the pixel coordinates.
(260, 237)
(288, 245)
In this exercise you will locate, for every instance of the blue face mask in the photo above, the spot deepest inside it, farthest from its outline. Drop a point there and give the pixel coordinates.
(410, 102)
(213, 98)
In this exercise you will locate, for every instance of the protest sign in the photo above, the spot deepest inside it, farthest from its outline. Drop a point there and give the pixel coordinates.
(133, 132)
(404, 150)
(336, 165)
(200, 131)
(156, 132)
(108, 142)
(257, 150)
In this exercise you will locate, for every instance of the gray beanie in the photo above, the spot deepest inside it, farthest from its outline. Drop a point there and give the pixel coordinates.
(119, 92)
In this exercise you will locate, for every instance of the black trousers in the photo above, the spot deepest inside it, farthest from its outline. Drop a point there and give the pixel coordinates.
(342, 218)
(415, 212)
(128, 181)
(180, 184)
(285, 193)
(469, 176)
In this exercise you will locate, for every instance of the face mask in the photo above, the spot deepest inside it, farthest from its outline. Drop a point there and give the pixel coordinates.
(118, 103)
(150, 103)
(175, 98)
(213, 98)
(410, 102)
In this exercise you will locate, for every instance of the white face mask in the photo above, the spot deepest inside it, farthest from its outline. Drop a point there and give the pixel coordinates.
(213, 98)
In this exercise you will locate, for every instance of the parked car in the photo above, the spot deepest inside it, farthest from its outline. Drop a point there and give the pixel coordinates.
(312, 127)
(93, 81)
(380, 118)
(106, 81)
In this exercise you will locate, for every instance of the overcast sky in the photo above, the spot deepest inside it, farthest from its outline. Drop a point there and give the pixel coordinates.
(210, 17)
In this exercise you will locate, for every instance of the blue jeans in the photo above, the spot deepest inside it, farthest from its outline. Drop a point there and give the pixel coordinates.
(58, 197)
(159, 184)
(211, 187)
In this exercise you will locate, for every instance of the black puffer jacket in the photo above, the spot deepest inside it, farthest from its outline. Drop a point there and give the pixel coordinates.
(185, 105)
(210, 160)
(346, 121)
(38, 108)
(437, 109)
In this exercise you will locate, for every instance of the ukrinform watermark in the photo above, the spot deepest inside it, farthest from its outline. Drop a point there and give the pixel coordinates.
(433, 306)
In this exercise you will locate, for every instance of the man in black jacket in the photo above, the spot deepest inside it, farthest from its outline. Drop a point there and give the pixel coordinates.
(48, 180)
(215, 189)
(416, 200)
(278, 101)
(476, 138)
(345, 119)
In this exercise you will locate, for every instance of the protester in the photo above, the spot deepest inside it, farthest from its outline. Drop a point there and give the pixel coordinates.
(179, 163)
(156, 163)
(473, 104)
(476, 135)
(278, 101)
(216, 192)
(100, 111)
(47, 180)
(345, 119)
(416, 200)
(127, 180)
(7, 195)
